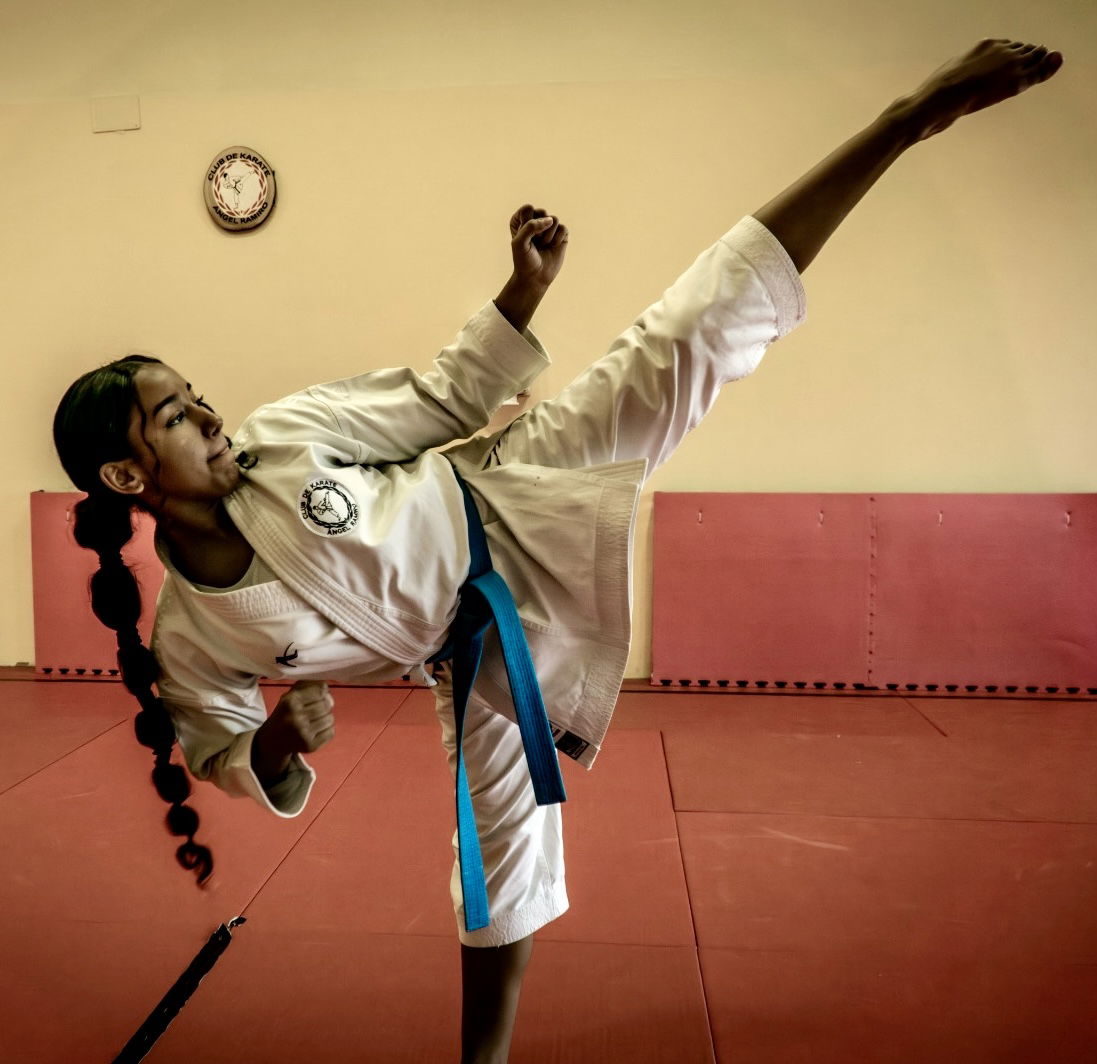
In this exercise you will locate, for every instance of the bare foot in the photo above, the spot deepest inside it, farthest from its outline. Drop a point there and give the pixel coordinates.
(994, 70)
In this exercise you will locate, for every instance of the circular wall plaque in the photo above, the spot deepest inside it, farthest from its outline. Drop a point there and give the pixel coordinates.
(239, 188)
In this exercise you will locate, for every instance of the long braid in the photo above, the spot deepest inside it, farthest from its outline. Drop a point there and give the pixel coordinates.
(103, 524)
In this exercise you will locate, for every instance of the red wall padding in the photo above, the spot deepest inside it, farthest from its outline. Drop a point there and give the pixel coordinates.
(965, 591)
(871, 590)
(67, 637)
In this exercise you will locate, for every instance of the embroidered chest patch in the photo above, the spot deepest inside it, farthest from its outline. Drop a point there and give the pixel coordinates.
(327, 508)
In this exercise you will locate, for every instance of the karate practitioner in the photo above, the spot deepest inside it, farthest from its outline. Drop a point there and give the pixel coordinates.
(329, 541)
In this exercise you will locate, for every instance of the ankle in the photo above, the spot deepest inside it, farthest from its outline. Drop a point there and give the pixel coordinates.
(916, 117)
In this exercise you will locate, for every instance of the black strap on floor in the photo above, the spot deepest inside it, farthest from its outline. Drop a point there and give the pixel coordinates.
(157, 1023)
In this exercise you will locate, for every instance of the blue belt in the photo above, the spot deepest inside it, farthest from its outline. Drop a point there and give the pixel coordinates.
(486, 600)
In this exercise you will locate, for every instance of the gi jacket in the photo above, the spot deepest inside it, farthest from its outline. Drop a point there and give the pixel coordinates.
(344, 500)
(366, 530)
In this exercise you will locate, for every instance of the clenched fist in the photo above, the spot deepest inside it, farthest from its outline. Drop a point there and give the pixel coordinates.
(304, 714)
(538, 243)
(301, 722)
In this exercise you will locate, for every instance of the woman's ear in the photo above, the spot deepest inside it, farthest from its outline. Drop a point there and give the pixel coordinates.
(125, 477)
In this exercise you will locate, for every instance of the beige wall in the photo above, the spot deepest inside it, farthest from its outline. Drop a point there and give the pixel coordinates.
(949, 344)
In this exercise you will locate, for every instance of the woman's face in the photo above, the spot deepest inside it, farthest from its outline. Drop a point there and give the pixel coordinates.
(177, 442)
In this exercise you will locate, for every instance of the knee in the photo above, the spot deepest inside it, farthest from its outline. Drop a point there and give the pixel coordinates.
(498, 965)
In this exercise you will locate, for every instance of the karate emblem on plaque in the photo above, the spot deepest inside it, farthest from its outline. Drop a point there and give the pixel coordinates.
(239, 188)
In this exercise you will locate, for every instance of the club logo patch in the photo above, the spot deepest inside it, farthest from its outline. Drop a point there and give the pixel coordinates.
(327, 508)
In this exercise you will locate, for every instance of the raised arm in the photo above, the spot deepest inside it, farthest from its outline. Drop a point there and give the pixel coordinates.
(804, 216)
(538, 243)
(394, 415)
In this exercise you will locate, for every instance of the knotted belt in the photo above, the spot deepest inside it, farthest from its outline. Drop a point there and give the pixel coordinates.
(486, 600)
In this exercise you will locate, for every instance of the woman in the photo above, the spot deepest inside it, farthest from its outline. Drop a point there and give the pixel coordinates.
(330, 540)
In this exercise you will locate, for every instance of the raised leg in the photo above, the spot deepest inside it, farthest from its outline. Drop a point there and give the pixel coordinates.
(491, 982)
(805, 215)
(663, 374)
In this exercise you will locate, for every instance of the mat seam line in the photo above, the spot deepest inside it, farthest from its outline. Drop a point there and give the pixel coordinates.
(58, 760)
(689, 898)
(877, 816)
(932, 723)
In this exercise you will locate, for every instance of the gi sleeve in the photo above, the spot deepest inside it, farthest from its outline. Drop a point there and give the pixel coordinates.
(216, 716)
(395, 415)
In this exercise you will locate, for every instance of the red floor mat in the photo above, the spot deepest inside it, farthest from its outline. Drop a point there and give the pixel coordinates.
(886, 757)
(859, 757)
(347, 995)
(899, 937)
(101, 918)
(1008, 892)
(625, 877)
(1017, 761)
(338, 994)
(42, 722)
(417, 708)
(776, 1007)
(379, 856)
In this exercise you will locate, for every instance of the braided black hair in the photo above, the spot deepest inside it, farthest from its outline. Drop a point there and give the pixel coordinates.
(90, 428)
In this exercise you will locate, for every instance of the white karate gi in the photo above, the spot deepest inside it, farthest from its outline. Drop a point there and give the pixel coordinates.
(366, 538)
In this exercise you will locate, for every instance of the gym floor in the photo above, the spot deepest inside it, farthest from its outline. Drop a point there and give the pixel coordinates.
(754, 878)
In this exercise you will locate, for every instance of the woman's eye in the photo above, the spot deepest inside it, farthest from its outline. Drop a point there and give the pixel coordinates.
(180, 417)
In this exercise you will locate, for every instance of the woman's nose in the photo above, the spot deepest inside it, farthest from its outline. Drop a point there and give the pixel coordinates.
(214, 423)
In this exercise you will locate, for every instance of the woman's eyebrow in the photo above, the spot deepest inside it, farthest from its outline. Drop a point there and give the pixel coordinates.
(164, 402)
